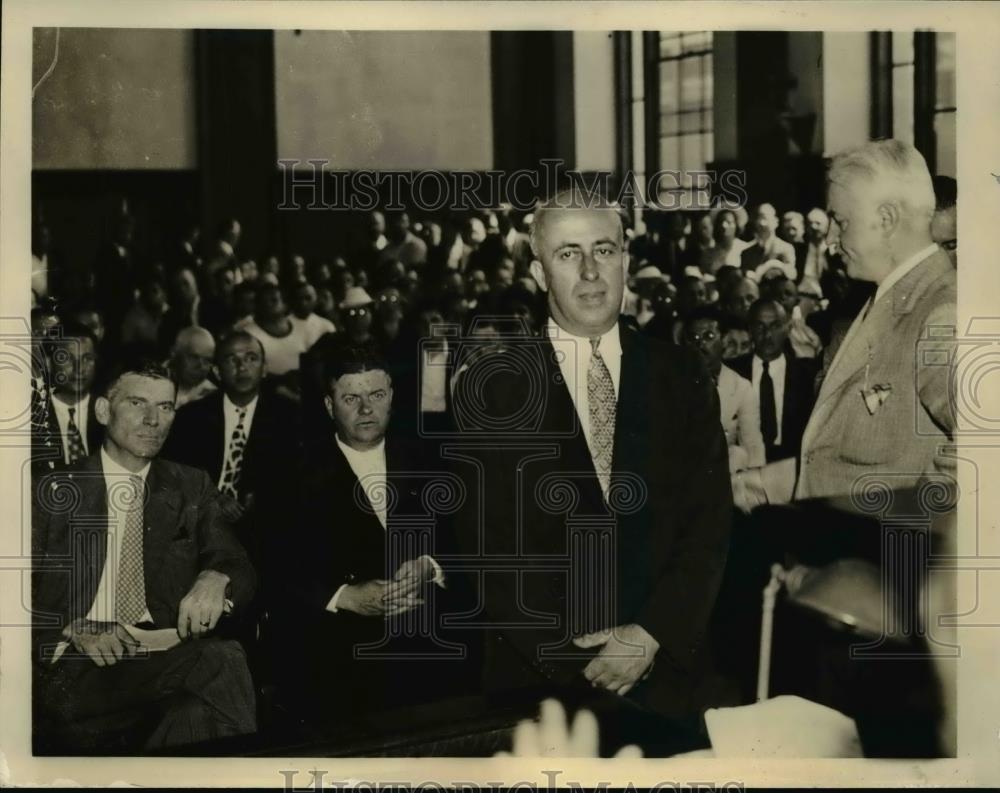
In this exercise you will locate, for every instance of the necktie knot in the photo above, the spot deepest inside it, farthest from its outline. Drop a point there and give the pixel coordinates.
(595, 342)
(72, 413)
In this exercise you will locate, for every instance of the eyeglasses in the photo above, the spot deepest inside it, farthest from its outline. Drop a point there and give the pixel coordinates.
(708, 335)
(357, 312)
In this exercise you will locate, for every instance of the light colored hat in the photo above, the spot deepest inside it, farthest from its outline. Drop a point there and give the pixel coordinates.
(652, 272)
(355, 297)
(763, 271)
(692, 271)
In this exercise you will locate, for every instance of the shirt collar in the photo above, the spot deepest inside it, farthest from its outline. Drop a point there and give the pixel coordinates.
(897, 274)
(611, 342)
(778, 364)
(80, 404)
(231, 407)
(112, 469)
(354, 454)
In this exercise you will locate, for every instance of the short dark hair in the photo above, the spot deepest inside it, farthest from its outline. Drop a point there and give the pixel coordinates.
(764, 302)
(142, 366)
(945, 192)
(351, 358)
(237, 334)
(70, 329)
(708, 312)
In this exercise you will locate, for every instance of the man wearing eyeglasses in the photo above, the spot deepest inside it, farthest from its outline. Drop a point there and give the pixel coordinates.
(738, 409)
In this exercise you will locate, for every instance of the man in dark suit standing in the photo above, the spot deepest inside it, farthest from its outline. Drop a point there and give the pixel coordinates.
(70, 431)
(127, 543)
(354, 571)
(243, 436)
(782, 383)
(598, 484)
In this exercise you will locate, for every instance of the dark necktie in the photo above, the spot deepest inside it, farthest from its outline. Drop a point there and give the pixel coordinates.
(74, 441)
(130, 592)
(234, 460)
(603, 405)
(768, 412)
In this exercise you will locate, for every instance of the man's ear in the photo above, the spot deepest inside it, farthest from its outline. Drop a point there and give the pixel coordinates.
(889, 216)
(538, 273)
(328, 403)
(102, 411)
(215, 373)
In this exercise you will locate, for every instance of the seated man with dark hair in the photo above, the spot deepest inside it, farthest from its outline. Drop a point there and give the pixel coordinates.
(243, 436)
(129, 586)
(351, 570)
(70, 430)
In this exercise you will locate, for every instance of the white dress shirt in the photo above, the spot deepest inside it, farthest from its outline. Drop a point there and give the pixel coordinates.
(894, 277)
(311, 328)
(104, 606)
(231, 419)
(740, 414)
(434, 379)
(61, 409)
(370, 469)
(573, 354)
(776, 369)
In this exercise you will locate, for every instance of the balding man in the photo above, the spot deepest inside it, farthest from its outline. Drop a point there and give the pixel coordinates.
(813, 257)
(191, 362)
(611, 542)
(885, 406)
(767, 244)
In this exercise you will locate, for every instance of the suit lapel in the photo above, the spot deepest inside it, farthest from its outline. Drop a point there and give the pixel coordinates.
(160, 515)
(88, 532)
(631, 424)
(561, 417)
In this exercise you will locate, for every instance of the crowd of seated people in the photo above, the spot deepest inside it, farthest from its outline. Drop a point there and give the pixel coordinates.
(205, 358)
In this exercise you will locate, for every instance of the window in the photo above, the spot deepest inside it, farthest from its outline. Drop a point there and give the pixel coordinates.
(913, 77)
(684, 71)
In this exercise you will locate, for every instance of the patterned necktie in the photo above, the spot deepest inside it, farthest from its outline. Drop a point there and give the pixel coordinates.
(74, 441)
(603, 404)
(130, 591)
(768, 412)
(234, 460)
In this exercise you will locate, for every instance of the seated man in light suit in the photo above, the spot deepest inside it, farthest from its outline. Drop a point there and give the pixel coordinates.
(125, 541)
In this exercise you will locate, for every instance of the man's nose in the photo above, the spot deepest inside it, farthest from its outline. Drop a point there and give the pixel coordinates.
(366, 407)
(588, 268)
(151, 416)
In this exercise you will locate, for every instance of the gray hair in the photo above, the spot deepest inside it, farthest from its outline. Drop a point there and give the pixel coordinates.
(895, 170)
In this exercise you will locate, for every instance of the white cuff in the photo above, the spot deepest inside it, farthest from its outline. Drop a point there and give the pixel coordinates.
(438, 572)
(332, 605)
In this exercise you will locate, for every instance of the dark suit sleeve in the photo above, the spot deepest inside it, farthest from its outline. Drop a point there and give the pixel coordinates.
(677, 612)
(218, 548)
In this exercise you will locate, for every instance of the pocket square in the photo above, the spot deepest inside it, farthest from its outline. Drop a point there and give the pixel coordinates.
(876, 396)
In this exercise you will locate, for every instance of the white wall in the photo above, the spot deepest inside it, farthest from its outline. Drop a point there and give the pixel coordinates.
(117, 99)
(594, 100)
(846, 91)
(385, 99)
